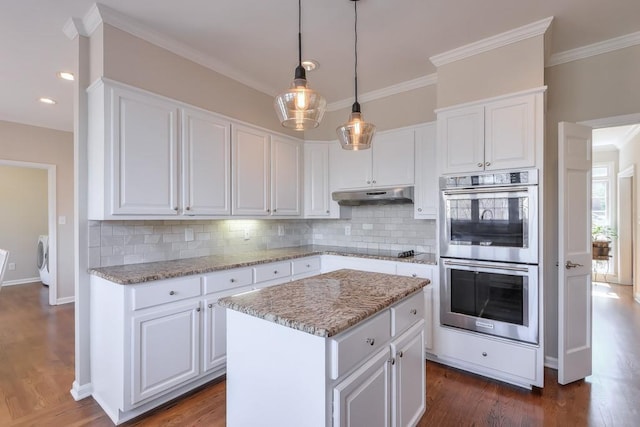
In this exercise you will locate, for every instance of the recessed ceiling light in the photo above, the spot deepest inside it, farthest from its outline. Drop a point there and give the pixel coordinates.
(65, 75)
(48, 101)
(310, 64)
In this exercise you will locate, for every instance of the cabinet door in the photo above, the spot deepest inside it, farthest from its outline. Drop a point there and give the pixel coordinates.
(166, 349)
(145, 153)
(461, 139)
(393, 158)
(205, 164)
(409, 400)
(426, 185)
(510, 133)
(364, 397)
(349, 169)
(250, 186)
(317, 193)
(214, 334)
(286, 176)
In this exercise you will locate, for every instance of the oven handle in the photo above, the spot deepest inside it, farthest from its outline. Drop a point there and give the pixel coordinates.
(475, 265)
(485, 190)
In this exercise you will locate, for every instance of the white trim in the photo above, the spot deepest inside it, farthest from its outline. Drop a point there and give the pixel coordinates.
(423, 81)
(607, 122)
(628, 172)
(493, 99)
(21, 281)
(499, 40)
(594, 49)
(100, 13)
(65, 300)
(80, 392)
(551, 362)
(73, 28)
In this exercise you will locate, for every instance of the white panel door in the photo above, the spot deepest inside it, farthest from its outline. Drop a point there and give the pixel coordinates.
(166, 349)
(206, 161)
(409, 400)
(317, 193)
(286, 176)
(574, 252)
(349, 169)
(145, 154)
(393, 158)
(250, 183)
(426, 173)
(214, 335)
(510, 133)
(364, 397)
(461, 140)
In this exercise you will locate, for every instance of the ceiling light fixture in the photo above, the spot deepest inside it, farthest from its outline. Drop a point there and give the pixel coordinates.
(47, 101)
(356, 134)
(310, 64)
(300, 108)
(65, 75)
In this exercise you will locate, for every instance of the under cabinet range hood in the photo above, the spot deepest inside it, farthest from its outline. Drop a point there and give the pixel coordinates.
(382, 196)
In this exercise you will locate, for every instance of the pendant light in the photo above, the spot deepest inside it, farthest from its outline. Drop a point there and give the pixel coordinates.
(300, 108)
(356, 134)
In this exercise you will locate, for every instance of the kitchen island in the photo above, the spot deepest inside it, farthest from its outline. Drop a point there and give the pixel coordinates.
(341, 348)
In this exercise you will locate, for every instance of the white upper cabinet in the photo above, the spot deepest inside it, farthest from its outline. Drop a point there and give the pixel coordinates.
(317, 193)
(390, 162)
(251, 157)
(141, 167)
(267, 173)
(426, 186)
(500, 134)
(206, 162)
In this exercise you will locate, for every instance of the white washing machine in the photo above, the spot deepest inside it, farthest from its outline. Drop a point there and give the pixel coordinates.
(43, 259)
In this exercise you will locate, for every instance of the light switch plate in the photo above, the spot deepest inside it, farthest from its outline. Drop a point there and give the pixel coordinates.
(188, 234)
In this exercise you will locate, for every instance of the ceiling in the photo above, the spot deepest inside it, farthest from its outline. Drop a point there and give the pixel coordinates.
(255, 41)
(614, 138)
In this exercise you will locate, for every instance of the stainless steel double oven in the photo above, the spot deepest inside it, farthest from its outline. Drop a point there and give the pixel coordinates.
(489, 253)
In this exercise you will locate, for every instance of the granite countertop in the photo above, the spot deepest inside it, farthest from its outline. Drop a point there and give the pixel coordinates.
(327, 304)
(138, 273)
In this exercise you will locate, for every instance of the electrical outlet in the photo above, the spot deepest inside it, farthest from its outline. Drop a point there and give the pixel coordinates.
(188, 234)
(12, 266)
(280, 230)
(246, 234)
(347, 230)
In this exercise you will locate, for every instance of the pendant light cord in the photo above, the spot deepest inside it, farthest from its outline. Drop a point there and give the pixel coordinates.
(355, 46)
(300, 32)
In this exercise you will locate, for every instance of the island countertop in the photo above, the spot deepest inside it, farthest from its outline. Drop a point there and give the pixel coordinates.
(327, 304)
(144, 272)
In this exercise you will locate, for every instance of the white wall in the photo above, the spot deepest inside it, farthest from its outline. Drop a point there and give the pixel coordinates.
(46, 146)
(630, 156)
(23, 218)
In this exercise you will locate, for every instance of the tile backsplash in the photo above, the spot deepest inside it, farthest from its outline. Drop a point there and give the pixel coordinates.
(376, 227)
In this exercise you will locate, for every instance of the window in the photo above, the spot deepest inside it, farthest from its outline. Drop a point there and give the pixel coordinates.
(601, 201)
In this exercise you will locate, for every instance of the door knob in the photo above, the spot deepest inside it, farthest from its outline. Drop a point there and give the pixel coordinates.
(569, 265)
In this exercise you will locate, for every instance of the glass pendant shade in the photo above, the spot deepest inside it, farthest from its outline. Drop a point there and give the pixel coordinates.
(356, 134)
(300, 108)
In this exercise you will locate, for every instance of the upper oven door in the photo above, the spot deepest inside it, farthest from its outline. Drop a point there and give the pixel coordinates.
(490, 223)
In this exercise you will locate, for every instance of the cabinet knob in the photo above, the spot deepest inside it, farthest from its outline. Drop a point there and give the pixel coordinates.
(275, 271)
(368, 182)
(414, 311)
(198, 309)
(210, 305)
(172, 292)
(400, 354)
(233, 280)
(488, 164)
(392, 360)
(308, 265)
(371, 341)
(188, 208)
(175, 209)
(275, 210)
(484, 354)
(414, 275)
(268, 210)
(374, 181)
(479, 165)
(328, 211)
(419, 209)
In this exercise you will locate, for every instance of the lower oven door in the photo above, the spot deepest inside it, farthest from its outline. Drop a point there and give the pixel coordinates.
(499, 299)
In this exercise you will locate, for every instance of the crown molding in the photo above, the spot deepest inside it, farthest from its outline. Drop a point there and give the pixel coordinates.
(73, 28)
(607, 122)
(99, 14)
(499, 40)
(423, 81)
(583, 52)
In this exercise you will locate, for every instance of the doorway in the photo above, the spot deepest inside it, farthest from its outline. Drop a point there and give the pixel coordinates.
(50, 220)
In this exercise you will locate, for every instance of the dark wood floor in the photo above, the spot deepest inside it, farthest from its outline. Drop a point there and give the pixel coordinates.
(36, 372)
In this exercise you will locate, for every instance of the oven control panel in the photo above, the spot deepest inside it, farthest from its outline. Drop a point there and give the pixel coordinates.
(523, 177)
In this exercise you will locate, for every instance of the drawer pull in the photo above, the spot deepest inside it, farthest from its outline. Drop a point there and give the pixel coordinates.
(371, 341)
(414, 311)
(233, 280)
(484, 354)
(308, 265)
(172, 292)
(275, 271)
(210, 305)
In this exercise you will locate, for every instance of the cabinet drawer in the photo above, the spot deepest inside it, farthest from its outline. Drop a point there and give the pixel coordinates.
(272, 271)
(406, 313)
(229, 279)
(414, 270)
(510, 358)
(165, 291)
(305, 265)
(354, 346)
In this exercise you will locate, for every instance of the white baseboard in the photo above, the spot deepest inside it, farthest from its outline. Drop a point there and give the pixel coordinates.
(80, 392)
(21, 281)
(65, 300)
(551, 362)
